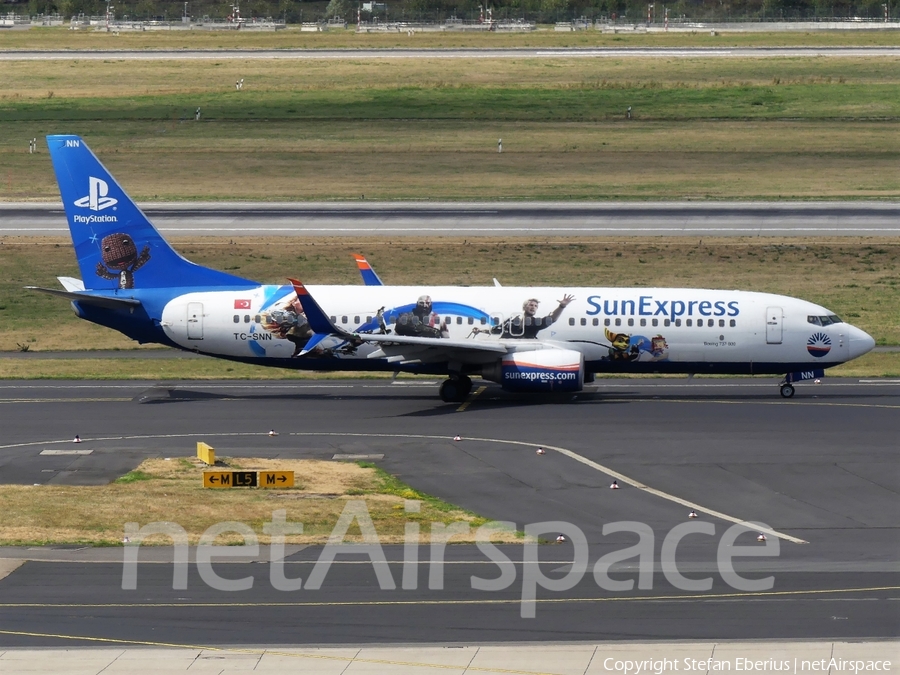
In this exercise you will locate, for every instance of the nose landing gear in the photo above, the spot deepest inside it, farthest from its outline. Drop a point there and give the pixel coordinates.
(787, 390)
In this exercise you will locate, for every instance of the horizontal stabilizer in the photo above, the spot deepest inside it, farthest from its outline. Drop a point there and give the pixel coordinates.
(71, 284)
(89, 299)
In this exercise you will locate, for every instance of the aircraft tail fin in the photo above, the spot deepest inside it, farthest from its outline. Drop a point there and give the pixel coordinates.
(116, 245)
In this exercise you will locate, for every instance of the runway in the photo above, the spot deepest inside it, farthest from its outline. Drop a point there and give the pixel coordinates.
(820, 468)
(490, 219)
(473, 53)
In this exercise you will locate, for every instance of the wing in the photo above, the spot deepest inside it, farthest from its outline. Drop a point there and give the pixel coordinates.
(408, 349)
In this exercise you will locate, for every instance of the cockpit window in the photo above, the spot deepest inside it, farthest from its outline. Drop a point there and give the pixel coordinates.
(824, 320)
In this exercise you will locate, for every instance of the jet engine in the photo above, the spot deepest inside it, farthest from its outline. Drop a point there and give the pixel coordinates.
(556, 370)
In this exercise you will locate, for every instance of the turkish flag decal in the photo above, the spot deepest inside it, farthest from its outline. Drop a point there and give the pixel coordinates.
(242, 304)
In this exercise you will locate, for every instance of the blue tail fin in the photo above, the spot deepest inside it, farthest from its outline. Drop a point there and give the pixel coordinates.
(116, 245)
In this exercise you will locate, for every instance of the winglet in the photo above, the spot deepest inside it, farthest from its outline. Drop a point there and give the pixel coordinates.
(318, 320)
(370, 278)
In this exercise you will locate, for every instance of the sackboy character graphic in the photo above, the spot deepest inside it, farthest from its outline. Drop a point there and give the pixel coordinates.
(120, 253)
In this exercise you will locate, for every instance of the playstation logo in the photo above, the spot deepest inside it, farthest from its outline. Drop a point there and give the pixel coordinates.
(96, 199)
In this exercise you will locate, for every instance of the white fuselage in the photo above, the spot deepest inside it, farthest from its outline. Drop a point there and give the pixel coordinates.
(616, 329)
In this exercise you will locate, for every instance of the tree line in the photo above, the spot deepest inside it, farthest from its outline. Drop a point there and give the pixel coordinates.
(538, 11)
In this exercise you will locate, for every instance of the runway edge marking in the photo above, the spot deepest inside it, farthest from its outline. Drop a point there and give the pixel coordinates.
(594, 465)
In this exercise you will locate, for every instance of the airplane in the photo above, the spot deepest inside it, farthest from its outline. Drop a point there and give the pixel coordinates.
(527, 339)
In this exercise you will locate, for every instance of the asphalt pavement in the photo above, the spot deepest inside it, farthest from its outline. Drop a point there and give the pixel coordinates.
(818, 472)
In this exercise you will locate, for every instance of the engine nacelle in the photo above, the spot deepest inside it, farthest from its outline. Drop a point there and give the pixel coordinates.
(557, 370)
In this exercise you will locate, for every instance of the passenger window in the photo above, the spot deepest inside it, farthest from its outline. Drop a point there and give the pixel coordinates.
(483, 321)
(472, 320)
(459, 321)
(495, 320)
(732, 323)
(237, 319)
(356, 320)
(721, 323)
(257, 319)
(246, 318)
(571, 321)
(596, 322)
(605, 322)
(618, 321)
(333, 319)
(368, 319)
(655, 322)
(667, 322)
(630, 322)
(688, 323)
(344, 319)
(643, 322)
(678, 322)
(711, 323)
(584, 322)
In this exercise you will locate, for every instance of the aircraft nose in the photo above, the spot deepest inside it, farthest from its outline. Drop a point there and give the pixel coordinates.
(860, 342)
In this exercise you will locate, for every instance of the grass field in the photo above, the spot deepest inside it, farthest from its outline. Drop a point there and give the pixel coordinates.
(171, 490)
(858, 278)
(795, 128)
(292, 38)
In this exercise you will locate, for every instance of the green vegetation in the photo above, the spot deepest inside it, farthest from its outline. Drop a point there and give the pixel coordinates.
(762, 128)
(134, 477)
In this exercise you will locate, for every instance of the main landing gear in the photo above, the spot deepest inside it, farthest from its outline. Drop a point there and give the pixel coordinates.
(455, 389)
(787, 390)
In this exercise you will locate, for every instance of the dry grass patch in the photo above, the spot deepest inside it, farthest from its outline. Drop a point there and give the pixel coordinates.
(100, 79)
(453, 159)
(171, 490)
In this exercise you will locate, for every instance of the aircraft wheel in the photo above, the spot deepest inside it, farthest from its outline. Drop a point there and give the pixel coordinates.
(787, 390)
(450, 391)
(465, 384)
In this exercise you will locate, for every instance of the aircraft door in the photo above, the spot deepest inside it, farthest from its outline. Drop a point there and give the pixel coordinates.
(195, 321)
(774, 319)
